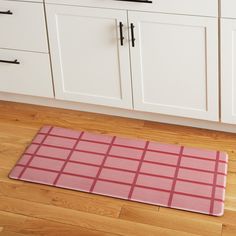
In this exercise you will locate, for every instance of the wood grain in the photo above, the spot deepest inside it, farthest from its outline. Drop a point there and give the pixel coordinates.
(15, 224)
(33, 209)
(229, 230)
(170, 221)
(9, 233)
(81, 219)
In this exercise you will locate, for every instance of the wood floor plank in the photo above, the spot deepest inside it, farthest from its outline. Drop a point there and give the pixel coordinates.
(10, 221)
(229, 230)
(9, 233)
(230, 200)
(50, 228)
(170, 221)
(229, 216)
(52, 197)
(232, 164)
(35, 116)
(24, 225)
(83, 219)
(230, 203)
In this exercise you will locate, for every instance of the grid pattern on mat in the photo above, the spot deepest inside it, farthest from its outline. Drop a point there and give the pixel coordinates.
(156, 173)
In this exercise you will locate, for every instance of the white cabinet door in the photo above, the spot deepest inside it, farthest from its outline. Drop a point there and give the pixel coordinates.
(175, 65)
(89, 63)
(228, 71)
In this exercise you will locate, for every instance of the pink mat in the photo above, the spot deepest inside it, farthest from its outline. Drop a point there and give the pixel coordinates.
(156, 173)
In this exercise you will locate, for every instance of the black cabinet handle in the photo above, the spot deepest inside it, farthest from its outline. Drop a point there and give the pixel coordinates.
(10, 62)
(6, 12)
(132, 34)
(121, 34)
(142, 1)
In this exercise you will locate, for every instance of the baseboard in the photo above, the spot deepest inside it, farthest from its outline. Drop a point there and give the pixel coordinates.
(118, 112)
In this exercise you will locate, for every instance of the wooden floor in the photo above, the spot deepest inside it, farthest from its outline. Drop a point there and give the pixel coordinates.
(30, 209)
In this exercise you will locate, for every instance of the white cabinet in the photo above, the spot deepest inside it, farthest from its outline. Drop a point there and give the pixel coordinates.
(175, 65)
(89, 63)
(24, 58)
(228, 70)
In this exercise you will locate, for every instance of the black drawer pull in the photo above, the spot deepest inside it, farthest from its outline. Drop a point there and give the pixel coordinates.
(121, 34)
(10, 62)
(6, 12)
(142, 1)
(132, 34)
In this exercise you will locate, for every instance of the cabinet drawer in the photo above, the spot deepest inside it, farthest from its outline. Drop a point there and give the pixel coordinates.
(23, 26)
(191, 7)
(31, 77)
(228, 8)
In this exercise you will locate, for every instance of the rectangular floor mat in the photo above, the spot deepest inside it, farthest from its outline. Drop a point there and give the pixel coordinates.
(156, 173)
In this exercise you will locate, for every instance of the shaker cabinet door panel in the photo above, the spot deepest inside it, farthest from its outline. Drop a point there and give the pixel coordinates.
(228, 71)
(174, 63)
(89, 63)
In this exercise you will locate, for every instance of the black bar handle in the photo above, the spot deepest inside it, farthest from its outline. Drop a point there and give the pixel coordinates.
(121, 34)
(132, 34)
(6, 12)
(10, 62)
(142, 1)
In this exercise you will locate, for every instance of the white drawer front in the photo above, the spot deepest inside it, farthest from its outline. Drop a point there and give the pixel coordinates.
(228, 8)
(31, 77)
(191, 7)
(25, 28)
